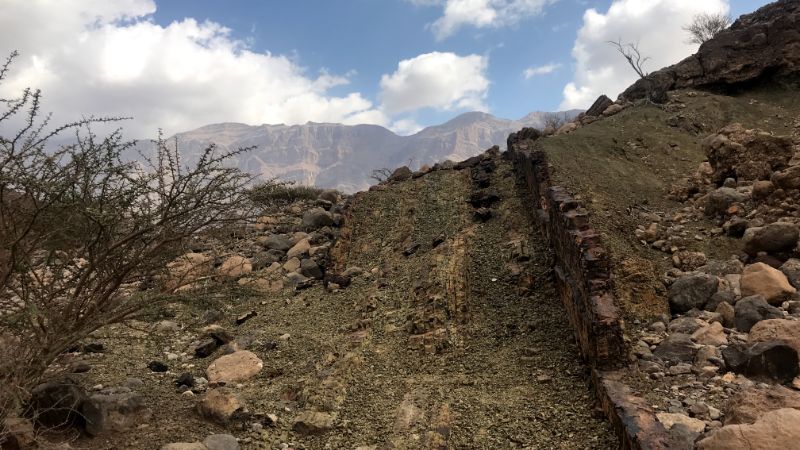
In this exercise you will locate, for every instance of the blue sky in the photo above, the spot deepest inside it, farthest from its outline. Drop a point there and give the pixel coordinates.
(294, 61)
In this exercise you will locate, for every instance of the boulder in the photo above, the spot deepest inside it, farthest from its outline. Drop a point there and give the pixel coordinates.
(599, 106)
(779, 330)
(769, 361)
(712, 334)
(746, 155)
(719, 200)
(762, 189)
(748, 405)
(791, 268)
(567, 128)
(234, 267)
(676, 348)
(685, 325)
(276, 242)
(727, 313)
(114, 411)
(292, 265)
(301, 248)
(58, 402)
(220, 405)
(692, 291)
(186, 269)
(769, 283)
(788, 178)
(750, 310)
(774, 430)
(316, 218)
(613, 109)
(401, 174)
(773, 238)
(329, 195)
(312, 422)
(310, 269)
(237, 366)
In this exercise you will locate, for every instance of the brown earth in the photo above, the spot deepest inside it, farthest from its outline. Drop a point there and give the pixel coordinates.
(464, 345)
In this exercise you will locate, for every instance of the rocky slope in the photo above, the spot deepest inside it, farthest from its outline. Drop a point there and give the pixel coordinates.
(343, 157)
(764, 43)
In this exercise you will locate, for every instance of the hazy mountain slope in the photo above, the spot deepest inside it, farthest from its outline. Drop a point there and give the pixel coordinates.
(342, 156)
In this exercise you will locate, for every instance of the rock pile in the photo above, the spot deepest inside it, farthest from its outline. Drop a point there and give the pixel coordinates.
(735, 324)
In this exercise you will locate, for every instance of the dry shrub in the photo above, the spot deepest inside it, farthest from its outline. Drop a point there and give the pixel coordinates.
(85, 237)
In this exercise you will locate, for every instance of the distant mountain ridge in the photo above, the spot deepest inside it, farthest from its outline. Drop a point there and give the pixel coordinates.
(343, 156)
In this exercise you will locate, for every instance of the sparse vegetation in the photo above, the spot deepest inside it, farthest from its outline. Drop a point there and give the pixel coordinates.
(82, 232)
(276, 192)
(707, 25)
(381, 175)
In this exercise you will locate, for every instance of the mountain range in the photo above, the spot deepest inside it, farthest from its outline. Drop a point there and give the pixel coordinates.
(329, 155)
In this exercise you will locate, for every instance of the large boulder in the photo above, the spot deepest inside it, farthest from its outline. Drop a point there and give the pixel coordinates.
(769, 361)
(316, 218)
(750, 310)
(774, 430)
(401, 174)
(748, 405)
(237, 366)
(301, 248)
(768, 282)
(114, 410)
(692, 291)
(774, 238)
(779, 330)
(719, 200)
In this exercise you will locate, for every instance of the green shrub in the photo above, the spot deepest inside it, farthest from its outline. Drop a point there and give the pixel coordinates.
(276, 192)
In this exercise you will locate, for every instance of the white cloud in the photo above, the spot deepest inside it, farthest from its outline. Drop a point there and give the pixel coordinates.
(405, 127)
(531, 72)
(481, 13)
(656, 25)
(443, 81)
(109, 58)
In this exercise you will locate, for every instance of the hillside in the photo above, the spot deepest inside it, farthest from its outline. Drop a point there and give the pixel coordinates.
(342, 156)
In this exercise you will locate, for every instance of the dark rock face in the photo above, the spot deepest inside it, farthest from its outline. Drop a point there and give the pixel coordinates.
(753, 309)
(764, 42)
(775, 361)
(599, 106)
(691, 292)
(316, 218)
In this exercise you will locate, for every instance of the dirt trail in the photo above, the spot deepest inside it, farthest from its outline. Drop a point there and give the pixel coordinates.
(464, 345)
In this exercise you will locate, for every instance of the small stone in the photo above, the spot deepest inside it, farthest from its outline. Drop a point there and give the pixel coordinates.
(157, 366)
(240, 365)
(221, 442)
(312, 422)
(671, 419)
(220, 405)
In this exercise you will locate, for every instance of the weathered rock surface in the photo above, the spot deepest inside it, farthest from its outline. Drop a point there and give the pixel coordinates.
(112, 411)
(692, 291)
(773, 238)
(750, 310)
(312, 422)
(237, 366)
(779, 330)
(774, 430)
(750, 404)
(767, 282)
(220, 405)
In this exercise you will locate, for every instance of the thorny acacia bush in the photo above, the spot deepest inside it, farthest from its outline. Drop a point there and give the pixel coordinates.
(82, 232)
